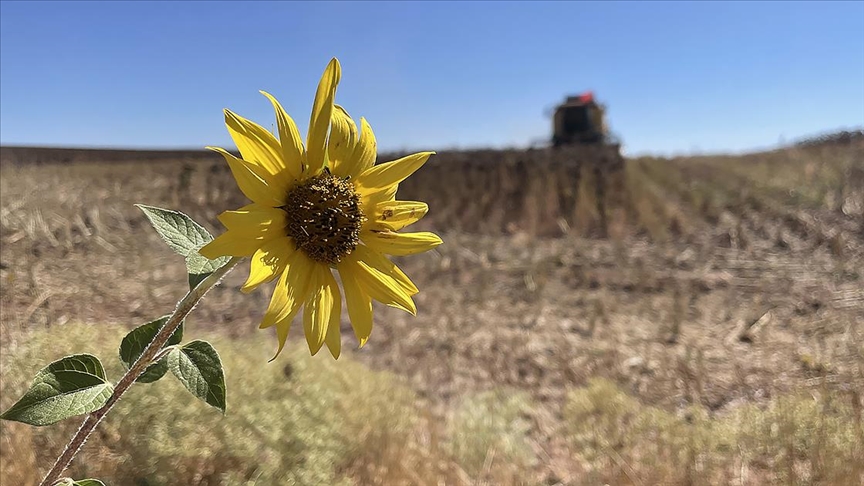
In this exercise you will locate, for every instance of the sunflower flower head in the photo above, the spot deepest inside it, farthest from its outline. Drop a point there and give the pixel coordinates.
(318, 207)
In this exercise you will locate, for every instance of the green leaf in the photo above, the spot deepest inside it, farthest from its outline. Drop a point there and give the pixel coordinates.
(198, 367)
(86, 363)
(88, 482)
(71, 386)
(136, 341)
(181, 232)
(200, 267)
(185, 237)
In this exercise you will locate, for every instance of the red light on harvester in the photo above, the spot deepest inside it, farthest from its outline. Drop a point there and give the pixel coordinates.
(586, 97)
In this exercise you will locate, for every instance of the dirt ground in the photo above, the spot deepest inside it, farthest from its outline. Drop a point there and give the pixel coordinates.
(713, 280)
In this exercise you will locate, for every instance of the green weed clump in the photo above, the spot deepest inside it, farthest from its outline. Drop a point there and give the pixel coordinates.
(297, 420)
(489, 435)
(804, 439)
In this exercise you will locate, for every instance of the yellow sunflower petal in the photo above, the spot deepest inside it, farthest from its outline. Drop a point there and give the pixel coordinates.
(268, 262)
(370, 200)
(395, 215)
(358, 302)
(256, 144)
(365, 151)
(380, 286)
(318, 309)
(392, 243)
(322, 109)
(254, 181)
(255, 221)
(384, 265)
(343, 137)
(291, 144)
(291, 289)
(382, 176)
(333, 336)
(230, 243)
(283, 327)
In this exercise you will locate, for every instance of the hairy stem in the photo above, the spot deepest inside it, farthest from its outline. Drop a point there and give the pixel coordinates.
(184, 307)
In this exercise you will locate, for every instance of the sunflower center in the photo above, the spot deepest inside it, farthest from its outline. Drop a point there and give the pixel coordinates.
(324, 217)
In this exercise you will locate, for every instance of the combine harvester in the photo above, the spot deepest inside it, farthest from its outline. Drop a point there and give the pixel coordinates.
(580, 122)
(580, 131)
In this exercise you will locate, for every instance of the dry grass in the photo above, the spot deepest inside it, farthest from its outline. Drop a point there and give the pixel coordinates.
(728, 288)
(796, 439)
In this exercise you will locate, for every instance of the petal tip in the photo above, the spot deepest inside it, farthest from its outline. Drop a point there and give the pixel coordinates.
(278, 352)
(314, 348)
(411, 310)
(269, 96)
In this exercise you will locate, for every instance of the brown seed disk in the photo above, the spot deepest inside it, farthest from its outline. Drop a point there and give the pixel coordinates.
(324, 217)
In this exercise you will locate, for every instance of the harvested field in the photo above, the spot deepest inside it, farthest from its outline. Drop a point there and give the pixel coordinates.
(670, 341)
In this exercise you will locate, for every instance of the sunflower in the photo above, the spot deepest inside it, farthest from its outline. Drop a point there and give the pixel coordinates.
(317, 208)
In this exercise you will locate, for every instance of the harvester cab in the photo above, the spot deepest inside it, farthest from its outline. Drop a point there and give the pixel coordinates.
(580, 120)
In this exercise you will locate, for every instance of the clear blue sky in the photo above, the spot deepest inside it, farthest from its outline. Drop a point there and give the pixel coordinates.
(676, 76)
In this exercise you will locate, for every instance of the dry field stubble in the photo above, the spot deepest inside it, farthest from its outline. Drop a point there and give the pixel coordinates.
(723, 315)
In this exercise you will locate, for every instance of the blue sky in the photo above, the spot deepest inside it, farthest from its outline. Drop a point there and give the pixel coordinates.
(677, 76)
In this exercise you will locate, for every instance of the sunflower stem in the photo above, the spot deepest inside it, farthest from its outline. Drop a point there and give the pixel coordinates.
(184, 307)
